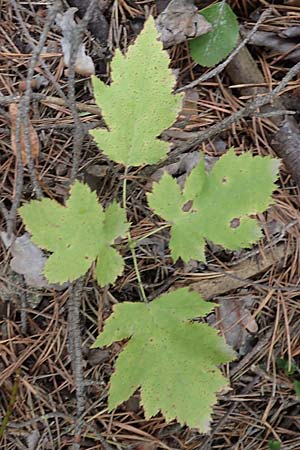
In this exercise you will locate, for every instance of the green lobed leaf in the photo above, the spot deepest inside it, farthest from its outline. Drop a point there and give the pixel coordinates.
(77, 235)
(220, 204)
(211, 48)
(173, 360)
(138, 105)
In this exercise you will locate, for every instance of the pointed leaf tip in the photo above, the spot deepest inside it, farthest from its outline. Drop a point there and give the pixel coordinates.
(173, 360)
(219, 204)
(139, 104)
(77, 234)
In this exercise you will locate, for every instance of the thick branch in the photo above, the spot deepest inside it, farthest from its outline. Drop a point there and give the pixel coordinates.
(286, 141)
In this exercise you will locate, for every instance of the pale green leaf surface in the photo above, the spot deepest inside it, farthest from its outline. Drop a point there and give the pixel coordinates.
(172, 360)
(168, 190)
(115, 222)
(76, 234)
(115, 330)
(214, 46)
(67, 265)
(195, 182)
(221, 202)
(138, 105)
(42, 218)
(187, 239)
(109, 265)
(175, 305)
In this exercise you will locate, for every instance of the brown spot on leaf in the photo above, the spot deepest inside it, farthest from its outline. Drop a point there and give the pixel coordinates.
(235, 223)
(187, 206)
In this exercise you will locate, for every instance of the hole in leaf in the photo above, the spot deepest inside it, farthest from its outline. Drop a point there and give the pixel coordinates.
(235, 223)
(224, 180)
(187, 206)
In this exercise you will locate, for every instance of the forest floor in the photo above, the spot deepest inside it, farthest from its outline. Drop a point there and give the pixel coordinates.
(46, 402)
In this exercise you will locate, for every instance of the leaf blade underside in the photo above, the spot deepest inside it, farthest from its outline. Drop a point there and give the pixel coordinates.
(138, 105)
(222, 202)
(172, 360)
(77, 234)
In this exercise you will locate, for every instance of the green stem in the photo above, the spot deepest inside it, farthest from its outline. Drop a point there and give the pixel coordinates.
(136, 241)
(11, 403)
(124, 193)
(136, 268)
(131, 246)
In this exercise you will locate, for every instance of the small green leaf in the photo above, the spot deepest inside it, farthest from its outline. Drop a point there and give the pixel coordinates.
(167, 190)
(296, 384)
(214, 46)
(173, 360)
(77, 235)
(283, 364)
(289, 370)
(274, 445)
(138, 105)
(216, 206)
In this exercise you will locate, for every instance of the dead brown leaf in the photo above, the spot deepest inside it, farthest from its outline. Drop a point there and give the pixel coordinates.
(84, 64)
(28, 260)
(180, 21)
(235, 321)
(189, 106)
(33, 137)
(285, 43)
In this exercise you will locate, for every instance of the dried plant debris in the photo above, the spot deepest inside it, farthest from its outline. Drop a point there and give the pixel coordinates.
(233, 318)
(84, 64)
(181, 21)
(285, 42)
(33, 440)
(182, 168)
(46, 399)
(38, 81)
(189, 107)
(28, 260)
(33, 137)
(98, 25)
